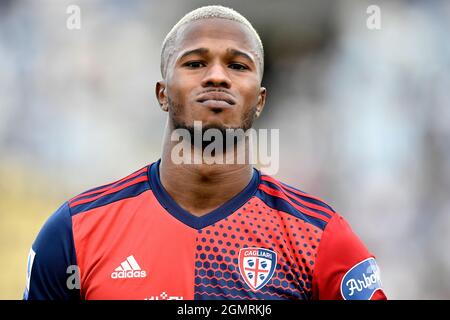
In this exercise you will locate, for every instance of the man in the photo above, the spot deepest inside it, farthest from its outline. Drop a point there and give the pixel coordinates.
(202, 231)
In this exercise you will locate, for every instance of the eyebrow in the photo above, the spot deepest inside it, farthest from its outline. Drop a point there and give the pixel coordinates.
(234, 53)
(204, 51)
(199, 51)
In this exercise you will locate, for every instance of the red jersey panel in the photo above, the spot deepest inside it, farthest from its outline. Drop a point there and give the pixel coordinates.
(131, 240)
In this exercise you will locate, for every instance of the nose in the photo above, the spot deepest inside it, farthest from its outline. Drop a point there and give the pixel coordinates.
(216, 76)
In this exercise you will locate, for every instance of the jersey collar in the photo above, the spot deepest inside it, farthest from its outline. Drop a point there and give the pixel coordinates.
(208, 219)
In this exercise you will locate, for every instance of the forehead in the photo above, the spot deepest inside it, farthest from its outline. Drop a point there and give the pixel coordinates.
(215, 32)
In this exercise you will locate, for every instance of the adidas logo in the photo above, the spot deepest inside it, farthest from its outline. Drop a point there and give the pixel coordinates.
(128, 269)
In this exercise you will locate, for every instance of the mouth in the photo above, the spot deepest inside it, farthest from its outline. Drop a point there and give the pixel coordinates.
(216, 100)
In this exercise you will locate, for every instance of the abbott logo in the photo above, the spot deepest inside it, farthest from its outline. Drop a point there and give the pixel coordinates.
(128, 269)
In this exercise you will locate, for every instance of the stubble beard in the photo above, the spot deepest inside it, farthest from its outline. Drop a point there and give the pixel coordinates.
(246, 123)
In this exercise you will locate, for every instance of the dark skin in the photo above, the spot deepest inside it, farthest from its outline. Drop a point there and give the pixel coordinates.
(212, 54)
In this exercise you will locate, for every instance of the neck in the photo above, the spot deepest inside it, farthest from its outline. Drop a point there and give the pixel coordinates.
(201, 188)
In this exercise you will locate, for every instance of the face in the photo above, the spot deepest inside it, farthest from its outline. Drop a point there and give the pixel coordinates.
(213, 77)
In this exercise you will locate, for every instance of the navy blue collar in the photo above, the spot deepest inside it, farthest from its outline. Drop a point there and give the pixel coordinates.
(208, 219)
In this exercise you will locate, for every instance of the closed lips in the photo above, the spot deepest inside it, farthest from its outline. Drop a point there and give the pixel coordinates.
(216, 96)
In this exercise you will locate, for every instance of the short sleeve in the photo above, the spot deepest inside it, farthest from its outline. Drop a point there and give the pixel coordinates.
(345, 269)
(52, 272)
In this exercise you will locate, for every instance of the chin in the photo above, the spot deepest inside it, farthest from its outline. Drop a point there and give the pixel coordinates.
(218, 124)
(215, 120)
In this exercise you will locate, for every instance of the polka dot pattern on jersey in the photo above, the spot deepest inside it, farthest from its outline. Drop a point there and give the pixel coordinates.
(255, 225)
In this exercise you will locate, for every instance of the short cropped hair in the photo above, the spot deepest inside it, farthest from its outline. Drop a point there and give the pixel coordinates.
(207, 12)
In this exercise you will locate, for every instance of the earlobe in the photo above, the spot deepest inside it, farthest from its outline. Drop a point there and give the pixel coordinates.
(261, 102)
(164, 105)
(161, 95)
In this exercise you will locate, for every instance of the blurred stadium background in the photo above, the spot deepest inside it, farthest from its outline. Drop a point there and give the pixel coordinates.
(364, 117)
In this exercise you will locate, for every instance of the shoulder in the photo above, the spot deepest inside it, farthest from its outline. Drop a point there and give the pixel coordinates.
(129, 186)
(57, 227)
(283, 197)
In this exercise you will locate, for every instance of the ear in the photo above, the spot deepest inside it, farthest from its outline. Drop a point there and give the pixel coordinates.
(261, 101)
(161, 95)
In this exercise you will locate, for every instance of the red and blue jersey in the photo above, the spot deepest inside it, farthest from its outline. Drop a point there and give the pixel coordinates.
(131, 240)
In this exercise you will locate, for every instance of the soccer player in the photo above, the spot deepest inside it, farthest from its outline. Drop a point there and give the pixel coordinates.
(201, 231)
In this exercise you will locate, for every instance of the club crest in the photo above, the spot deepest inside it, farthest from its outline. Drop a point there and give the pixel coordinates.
(257, 266)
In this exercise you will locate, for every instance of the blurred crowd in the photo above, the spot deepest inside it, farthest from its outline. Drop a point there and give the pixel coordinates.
(364, 117)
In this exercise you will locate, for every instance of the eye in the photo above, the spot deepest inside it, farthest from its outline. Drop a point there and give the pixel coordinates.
(194, 64)
(238, 66)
